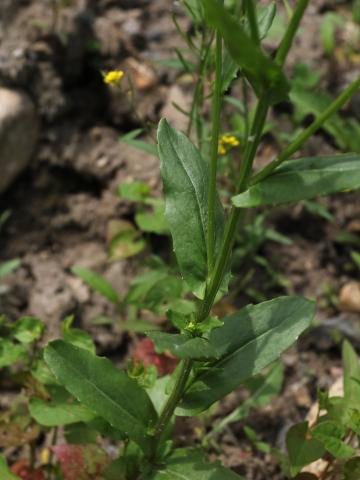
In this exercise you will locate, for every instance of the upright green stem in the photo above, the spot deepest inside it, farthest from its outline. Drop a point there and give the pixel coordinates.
(186, 365)
(172, 402)
(253, 143)
(245, 172)
(218, 273)
(246, 108)
(290, 33)
(309, 131)
(216, 110)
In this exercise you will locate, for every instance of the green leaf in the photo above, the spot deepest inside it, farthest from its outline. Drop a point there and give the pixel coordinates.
(356, 11)
(116, 470)
(158, 393)
(230, 70)
(262, 390)
(186, 464)
(98, 283)
(151, 288)
(183, 346)
(28, 329)
(194, 10)
(177, 63)
(265, 19)
(328, 25)
(339, 410)
(261, 71)
(142, 284)
(258, 444)
(351, 374)
(4, 216)
(106, 430)
(79, 338)
(302, 179)
(302, 449)
(352, 469)
(155, 221)
(76, 336)
(9, 266)
(134, 191)
(41, 372)
(345, 131)
(329, 433)
(356, 257)
(353, 420)
(250, 340)
(347, 238)
(130, 139)
(208, 324)
(185, 180)
(53, 414)
(126, 466)
(10, 353)
(80, 433)
(304, 77)
(5, 473)
(124, 239)
(155, 290)
(126, 244)
(179, 320)
(317, 209)
(105, 389)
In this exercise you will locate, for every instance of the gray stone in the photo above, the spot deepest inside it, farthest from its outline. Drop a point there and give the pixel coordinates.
(19, 129)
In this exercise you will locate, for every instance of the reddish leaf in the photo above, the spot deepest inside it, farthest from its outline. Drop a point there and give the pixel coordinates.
(24, 471)
(81, 462)
(144, 352)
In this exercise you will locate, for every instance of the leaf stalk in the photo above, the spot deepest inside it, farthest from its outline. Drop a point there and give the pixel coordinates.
(299, 141)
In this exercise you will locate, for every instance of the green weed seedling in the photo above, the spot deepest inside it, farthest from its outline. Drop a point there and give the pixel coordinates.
(96, 398)
(150, 214)
(157, 290)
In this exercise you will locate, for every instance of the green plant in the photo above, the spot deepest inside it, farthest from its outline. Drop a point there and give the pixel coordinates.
(157, 290)
(308, 99)
(42, 404)
(211, 350)
(261, 388)
(334, 434)
(216, 355)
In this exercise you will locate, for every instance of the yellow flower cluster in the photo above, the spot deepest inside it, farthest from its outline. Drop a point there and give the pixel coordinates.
(226, 143)
(113, 77)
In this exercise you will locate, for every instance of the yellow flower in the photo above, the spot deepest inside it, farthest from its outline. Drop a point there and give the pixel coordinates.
(226, 143)
(230, 140)
(113, 77)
